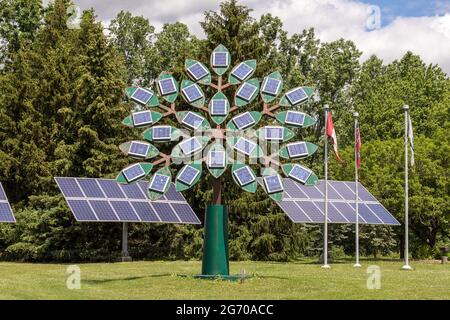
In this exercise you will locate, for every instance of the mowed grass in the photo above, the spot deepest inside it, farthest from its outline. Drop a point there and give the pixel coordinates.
(162, 280)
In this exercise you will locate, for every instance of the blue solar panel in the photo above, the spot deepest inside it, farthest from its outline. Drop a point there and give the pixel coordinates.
(142, 95)
(300, 173)
(192, 92)
(111, 188)
(145, 212)
(167, 86)
(138, 149)
(216, 159)
(192, 120)
(293, 211)
(162, 133)
(271, 86)
(133, 206)
(2, 193)
(159, 182)
(295, 118)
(245, 146)
(219, 107)
(103, 210)
(220, 59)
(244, 175)
(297, 149)
(273, 133)
(273, 183)
(124, 211)
(6, 214)
(198, 71)
(188, 174)
(244, 120)
(341, 205)
(296, 96)
(190, 146)
(165, 212)
(246, 91)
(173, 195)
(132, 191)
(185, 212)
(90, 188)
(69, 187)
(81, 210)
(133, 172)
(242, 71)
(142, 118)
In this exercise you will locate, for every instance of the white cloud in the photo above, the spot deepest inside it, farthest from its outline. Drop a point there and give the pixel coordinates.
(333, 19)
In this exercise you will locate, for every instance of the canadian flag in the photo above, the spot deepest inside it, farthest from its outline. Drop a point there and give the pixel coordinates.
(332, 133)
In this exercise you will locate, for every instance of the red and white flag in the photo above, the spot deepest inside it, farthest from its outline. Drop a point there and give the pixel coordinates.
(358, 146)
(332, 133)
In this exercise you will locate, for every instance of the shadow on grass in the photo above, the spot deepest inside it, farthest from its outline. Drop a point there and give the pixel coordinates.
(100, 281)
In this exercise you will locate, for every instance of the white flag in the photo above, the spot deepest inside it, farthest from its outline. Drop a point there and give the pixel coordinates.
(411, 139)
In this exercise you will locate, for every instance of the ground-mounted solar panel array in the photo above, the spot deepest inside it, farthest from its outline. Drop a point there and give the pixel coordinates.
(105, 200)
(6, 214)
(305, 204)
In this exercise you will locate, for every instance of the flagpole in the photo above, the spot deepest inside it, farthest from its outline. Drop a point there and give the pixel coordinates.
(325, 225)
(357, 264)
(406, 266)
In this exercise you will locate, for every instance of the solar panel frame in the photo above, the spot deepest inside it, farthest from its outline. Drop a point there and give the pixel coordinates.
(148, 120)
(237, 146)
(153, 181)
(294, 154)
(216, 63)
(247, 124)
(270, 188)
(139, 208)
(196, 148)
(167, 130)
(240, 179)
(183, 172)
(296, 177)
(341, 209)
(278, 137)
(188, 94)
(219, 112)
(211, 160)
(163, 90)
(249, 89)
(138, 90)
(242, 67)
(289, 96)
(267, 82)
(141, 153)
(293, 122)
(132, 167)
(191, 125)
(193, 73)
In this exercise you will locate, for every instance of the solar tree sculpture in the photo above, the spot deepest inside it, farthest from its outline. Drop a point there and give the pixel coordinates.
(220, 136)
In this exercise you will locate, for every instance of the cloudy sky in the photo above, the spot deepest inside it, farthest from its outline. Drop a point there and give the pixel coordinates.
(382, 27)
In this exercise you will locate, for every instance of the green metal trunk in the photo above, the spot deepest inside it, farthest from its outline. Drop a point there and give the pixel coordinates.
(215, 243)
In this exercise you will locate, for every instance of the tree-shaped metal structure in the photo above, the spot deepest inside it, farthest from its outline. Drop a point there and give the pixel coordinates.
(220, 135)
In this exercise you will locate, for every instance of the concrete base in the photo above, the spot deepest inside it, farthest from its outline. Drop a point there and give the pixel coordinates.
(407, 267)
(444, 259)
(126, 259)
(326, 266)
(357, 265)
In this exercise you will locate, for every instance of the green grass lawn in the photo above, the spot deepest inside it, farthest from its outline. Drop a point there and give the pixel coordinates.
(160, 280)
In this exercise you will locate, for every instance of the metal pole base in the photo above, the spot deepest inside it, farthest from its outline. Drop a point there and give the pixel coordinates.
(126, 259)
(407, 267)
(326, 266)
(215, 245)
(357, 265)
